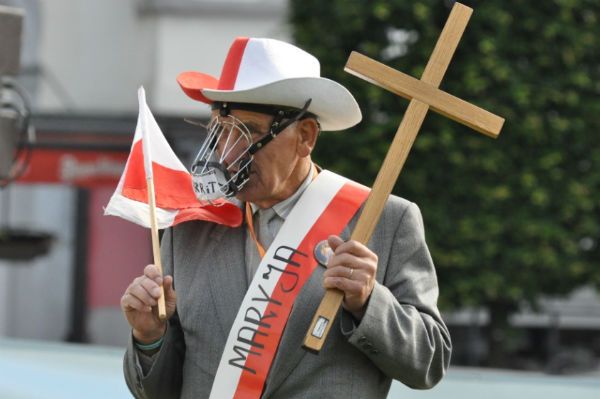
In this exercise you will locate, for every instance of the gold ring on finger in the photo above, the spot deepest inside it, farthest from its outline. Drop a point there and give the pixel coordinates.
(351, 271)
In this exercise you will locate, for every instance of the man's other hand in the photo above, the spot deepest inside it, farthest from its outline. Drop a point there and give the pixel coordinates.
(140, 304)
(352, 270)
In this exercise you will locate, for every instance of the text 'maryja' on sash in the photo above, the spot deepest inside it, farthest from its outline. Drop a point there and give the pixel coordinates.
(325, 208)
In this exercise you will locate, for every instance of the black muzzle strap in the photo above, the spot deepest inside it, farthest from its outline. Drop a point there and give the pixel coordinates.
(282, 118)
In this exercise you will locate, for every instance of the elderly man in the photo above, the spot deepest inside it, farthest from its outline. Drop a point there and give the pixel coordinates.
(246, 295)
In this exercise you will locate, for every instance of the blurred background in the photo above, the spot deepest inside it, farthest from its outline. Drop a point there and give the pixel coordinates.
(513, 224)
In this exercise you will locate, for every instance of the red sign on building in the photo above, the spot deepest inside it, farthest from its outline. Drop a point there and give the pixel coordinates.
(86, 168)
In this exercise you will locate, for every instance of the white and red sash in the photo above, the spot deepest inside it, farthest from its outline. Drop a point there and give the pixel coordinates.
(325, 208)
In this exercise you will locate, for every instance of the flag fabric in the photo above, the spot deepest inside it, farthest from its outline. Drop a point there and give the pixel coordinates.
(176, 202)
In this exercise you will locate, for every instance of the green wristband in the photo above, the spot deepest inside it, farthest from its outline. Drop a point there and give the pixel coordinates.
(149, 347)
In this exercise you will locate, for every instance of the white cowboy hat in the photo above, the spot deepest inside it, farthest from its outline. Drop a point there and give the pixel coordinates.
(269, 71)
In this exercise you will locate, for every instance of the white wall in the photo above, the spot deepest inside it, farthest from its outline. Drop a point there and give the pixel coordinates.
(98, 52)
(200, 44)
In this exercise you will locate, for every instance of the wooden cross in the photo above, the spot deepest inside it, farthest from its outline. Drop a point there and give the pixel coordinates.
(423, 95)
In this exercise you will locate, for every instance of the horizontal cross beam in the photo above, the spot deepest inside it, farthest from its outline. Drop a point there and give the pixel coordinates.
(439, 101)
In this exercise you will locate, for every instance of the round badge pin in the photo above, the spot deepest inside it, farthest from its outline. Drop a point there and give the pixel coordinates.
(323, 252)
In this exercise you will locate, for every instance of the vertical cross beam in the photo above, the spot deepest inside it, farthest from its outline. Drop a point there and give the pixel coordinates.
(423, 94)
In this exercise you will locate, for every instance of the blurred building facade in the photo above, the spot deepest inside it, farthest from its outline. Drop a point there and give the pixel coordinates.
(82, 62)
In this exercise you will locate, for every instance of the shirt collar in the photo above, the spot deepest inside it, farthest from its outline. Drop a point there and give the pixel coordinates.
(283, 208)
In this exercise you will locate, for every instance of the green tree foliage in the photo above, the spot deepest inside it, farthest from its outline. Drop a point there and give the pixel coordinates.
(507, 219)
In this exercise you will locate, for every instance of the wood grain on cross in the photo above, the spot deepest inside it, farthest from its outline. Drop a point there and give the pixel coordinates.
(423, 95)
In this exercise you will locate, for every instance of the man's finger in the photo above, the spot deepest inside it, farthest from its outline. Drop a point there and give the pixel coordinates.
(349, 287)
(334, 242)
(169, 290)
(151, 287)
(140, 293)
(354, 247)
(345, 272)
(348, 260)
(130, 302)
(168, 284)
(151, 271)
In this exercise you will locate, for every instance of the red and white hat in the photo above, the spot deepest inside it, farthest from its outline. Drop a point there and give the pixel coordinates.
(269, 71)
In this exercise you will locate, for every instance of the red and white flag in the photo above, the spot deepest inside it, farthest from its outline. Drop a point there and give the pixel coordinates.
(176, 201)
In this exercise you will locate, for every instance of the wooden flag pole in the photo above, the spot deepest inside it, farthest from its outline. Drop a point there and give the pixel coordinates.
(162, 309)
(423, 94)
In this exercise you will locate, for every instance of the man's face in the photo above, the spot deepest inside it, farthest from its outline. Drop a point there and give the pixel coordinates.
(276, 169)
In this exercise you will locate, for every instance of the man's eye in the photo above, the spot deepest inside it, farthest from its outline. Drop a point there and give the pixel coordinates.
(255, 133)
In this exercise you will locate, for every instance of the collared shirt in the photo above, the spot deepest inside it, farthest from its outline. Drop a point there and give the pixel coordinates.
(282, 210)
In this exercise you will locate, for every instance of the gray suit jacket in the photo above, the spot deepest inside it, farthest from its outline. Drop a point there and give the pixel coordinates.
(401, 335)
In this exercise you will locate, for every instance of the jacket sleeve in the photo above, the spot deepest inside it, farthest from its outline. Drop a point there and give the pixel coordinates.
(159, 376)
(402, 331)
